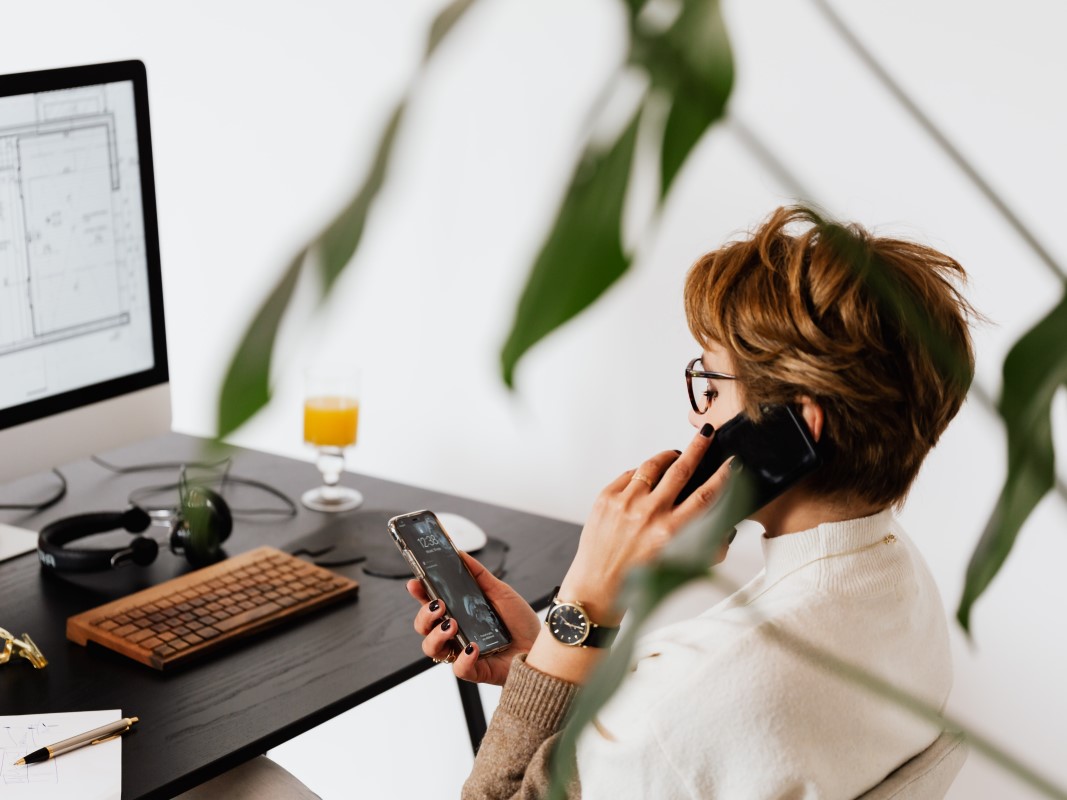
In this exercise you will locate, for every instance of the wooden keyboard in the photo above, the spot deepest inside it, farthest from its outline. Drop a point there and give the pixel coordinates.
(209, 608)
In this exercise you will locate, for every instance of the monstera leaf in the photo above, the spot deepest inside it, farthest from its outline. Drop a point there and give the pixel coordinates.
(246, 386)
(1035, 367)
(688, 62)
(583, 254)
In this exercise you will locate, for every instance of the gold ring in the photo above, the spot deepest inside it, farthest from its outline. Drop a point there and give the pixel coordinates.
(451, 657)
(637, 476)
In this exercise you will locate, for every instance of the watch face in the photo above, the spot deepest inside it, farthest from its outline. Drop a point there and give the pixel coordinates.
(568, 624)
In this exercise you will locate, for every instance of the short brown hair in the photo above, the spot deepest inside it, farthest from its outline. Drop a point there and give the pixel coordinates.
(871, 328)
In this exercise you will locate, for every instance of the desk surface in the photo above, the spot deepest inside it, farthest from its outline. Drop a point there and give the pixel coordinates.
(218, 712)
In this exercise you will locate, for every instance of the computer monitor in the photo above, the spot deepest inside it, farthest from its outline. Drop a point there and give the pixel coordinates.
(83, 353)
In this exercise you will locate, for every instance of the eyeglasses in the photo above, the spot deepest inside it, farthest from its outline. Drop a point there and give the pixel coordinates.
(701, 393)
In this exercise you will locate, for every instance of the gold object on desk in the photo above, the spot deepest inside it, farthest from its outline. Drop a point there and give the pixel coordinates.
(24, 647)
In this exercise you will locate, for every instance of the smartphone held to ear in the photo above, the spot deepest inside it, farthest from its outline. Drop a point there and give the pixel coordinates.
(434, 560)
(775, 453)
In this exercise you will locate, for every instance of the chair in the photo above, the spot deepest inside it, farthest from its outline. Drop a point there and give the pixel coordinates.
(258, 779)
(927, 776)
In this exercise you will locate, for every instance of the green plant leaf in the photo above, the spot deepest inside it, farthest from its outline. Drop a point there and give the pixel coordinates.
(692, 63)
(1034, 368)
(687, 122)
(583, 254)
(336, 245)
(445, 21)
(246, 387)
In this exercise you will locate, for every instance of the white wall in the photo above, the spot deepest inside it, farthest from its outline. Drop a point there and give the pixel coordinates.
(263, 118)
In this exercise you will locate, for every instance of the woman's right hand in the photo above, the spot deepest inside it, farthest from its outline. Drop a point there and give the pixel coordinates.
(439, 642)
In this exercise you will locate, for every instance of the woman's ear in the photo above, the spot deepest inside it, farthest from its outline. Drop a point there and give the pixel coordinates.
(812, 413)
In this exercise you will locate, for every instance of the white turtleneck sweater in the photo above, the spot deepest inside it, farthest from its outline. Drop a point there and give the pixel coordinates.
(719, 707)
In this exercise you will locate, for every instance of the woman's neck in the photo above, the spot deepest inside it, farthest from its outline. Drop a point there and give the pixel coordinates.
(792, 513)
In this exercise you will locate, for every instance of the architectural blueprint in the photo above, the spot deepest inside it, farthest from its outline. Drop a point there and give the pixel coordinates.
(72, 261)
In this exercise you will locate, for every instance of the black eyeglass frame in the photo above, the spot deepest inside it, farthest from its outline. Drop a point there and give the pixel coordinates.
(691, 373)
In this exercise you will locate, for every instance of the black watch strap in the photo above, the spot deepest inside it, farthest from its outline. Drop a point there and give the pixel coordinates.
(599, 636)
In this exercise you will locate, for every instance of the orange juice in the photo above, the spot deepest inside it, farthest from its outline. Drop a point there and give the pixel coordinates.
(331, 421)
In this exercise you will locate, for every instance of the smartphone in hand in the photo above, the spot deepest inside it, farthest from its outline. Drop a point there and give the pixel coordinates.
(434, 560)
(776, 453)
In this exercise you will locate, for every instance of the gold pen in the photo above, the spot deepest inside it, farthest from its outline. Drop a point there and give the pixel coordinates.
(95, 736)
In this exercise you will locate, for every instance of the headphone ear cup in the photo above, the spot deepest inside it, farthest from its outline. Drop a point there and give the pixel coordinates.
(204, 524)
(143, 551)
(135, 519)
(223, 515)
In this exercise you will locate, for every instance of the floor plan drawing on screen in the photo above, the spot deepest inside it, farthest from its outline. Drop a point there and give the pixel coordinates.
(72, 259)
(60, 235)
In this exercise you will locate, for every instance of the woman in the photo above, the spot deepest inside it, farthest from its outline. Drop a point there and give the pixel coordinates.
(867, 339)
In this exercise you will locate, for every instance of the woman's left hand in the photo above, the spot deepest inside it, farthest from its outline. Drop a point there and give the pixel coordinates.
(631, 521)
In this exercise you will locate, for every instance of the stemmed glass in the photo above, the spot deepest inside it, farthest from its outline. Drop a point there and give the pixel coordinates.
(331, 421)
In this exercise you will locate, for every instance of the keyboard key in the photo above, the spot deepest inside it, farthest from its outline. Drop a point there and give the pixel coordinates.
(246, 617)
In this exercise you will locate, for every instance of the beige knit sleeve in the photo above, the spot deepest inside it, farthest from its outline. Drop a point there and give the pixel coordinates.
(515, 757)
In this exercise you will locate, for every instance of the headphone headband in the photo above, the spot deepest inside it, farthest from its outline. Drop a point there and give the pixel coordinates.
(197, 535)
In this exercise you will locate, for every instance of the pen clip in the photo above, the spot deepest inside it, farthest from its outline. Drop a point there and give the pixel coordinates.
(129, 724)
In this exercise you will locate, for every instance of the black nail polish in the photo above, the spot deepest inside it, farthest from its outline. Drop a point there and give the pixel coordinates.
(436, 604)
(446, 624)
(707, 430)
(679, 452)
(469, 649)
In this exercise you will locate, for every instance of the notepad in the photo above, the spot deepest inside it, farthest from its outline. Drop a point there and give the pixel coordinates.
(88, 773)
(15, 541)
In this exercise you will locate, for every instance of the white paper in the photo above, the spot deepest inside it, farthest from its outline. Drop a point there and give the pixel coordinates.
(15, 541)
(93, 772)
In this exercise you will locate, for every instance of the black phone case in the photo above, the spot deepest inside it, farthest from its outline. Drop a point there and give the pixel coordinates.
(776, 453)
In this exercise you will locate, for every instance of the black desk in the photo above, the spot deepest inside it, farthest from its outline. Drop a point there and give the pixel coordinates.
(218, 712)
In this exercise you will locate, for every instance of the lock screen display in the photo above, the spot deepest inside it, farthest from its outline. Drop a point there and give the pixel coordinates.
(446, 572)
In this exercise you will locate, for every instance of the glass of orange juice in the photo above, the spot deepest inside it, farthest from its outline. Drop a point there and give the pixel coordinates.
(331, 422)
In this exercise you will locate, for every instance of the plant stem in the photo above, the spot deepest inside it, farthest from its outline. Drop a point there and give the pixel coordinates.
(935, 133)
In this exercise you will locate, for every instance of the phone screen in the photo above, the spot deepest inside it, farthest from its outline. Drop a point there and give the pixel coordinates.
(449, 579)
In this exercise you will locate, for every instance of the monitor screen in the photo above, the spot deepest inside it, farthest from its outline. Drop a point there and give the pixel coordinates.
(81, 308)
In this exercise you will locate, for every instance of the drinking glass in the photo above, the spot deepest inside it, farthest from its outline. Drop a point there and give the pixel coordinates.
(331, 421)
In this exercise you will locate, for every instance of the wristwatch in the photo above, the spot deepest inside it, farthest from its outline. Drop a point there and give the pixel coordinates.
(569, 623)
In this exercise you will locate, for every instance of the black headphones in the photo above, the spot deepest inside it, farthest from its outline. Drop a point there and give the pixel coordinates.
(199, 528)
